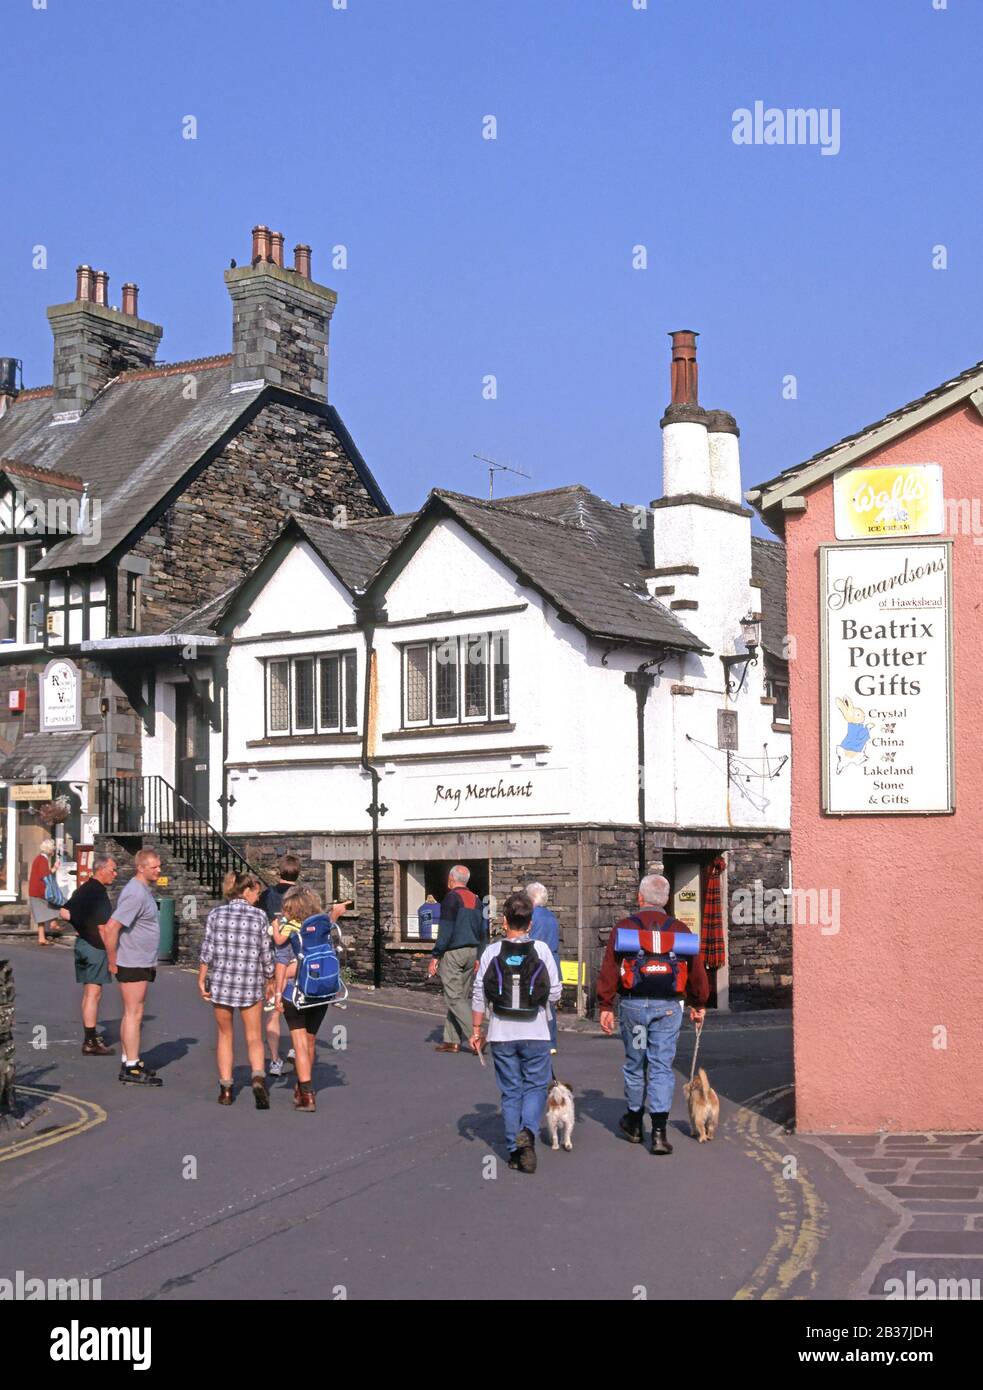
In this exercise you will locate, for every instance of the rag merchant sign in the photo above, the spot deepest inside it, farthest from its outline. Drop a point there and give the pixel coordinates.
(897, 501)
(515, 794)
(887, 678)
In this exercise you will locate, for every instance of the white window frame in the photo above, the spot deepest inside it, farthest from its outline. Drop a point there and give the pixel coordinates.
(293, 730)
(20, 583)
(496, 642)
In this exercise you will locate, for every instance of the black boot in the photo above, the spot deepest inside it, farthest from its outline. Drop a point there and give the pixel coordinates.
(660, 1144)
(525, 1150)
(630, 1125)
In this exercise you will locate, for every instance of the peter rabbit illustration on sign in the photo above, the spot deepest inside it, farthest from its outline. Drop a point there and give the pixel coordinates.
(852, 749)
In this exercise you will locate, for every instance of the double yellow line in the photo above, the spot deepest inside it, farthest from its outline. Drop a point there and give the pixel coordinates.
(87, 1116)
(787, 1270)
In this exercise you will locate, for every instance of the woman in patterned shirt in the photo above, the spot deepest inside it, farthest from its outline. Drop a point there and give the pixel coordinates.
(236, 972)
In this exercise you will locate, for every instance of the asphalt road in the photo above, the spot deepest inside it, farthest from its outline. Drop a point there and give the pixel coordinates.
(398, 1187)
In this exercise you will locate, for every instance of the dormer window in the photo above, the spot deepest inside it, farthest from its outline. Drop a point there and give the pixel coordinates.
(456, 680)
(21, 597)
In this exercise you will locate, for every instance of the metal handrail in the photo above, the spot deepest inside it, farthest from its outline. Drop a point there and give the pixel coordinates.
(151, 806)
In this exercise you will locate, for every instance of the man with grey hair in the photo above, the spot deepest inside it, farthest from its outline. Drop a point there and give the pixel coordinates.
(461, 936)
(545, 928)
(652, 990)
(88, 910)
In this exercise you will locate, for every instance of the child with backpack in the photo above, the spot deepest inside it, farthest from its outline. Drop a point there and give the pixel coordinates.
(305, 989)
(517, 983)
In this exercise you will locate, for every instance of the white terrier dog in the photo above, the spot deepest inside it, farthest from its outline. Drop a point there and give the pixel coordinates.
(560, 1114)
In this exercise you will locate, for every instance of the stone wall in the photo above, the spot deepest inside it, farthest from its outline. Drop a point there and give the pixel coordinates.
(759, 956)
(286, 459)
(8, 1067)
(760, 950)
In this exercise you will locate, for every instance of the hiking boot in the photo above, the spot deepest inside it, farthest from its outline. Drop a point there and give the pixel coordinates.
(95, 1047)
(660, 1144)
(260, 1094)
(304, 1100)
(630, 1125)
(225, 1096)
(525, 1148)
(138, 1075)
(447, 1047)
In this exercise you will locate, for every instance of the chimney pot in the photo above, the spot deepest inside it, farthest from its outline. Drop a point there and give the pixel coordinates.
(684, 371)
(83, 282)
(261, 243)
(130, 292)
(302, 260)
(101, 278)
(276, 248)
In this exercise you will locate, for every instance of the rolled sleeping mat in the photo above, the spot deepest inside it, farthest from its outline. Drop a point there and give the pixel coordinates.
(628, 941)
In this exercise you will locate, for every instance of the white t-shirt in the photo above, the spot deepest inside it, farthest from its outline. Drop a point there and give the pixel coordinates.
(517, 1029)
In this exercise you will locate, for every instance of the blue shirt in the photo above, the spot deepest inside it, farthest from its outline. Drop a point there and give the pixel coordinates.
(544, 927)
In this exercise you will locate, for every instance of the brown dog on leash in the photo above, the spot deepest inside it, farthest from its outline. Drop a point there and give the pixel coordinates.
(704, 1107)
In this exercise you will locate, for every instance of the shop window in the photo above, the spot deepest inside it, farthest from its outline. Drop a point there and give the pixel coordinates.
(342, 883)
(456, 680)
(312, 694)
(21, 596)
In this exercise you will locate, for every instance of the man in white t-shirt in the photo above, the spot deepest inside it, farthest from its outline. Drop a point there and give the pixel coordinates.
(517, 983)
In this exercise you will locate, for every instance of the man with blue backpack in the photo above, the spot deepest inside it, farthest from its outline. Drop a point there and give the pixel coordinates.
(653, 966)
(518, 982)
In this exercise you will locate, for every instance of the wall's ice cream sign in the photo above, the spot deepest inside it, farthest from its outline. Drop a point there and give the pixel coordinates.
(887, 679)
(899, 501)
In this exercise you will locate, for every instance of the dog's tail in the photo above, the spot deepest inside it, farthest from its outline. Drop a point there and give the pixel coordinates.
(704, 1081)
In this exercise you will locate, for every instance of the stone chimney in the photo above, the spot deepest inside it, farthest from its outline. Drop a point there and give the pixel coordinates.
(280, 318)
(701, 532)
(94, 342)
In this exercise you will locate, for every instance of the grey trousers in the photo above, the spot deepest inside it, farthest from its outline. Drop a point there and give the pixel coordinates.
(456, 972)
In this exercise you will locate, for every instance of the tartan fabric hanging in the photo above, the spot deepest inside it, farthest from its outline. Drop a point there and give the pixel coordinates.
(713, 921)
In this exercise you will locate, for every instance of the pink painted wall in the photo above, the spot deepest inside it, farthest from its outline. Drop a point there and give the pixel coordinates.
(909, 952)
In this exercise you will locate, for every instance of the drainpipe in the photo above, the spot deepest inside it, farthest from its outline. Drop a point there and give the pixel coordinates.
(641, 681)
(367, 615)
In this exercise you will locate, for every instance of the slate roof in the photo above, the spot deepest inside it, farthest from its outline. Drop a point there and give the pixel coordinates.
(587, 556)
(55, 752)
(768, 570)
(136, 442)
(355, 551)
(582, 553)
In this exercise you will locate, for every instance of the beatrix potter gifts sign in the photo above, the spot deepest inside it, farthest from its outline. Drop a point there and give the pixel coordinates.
(886, 678)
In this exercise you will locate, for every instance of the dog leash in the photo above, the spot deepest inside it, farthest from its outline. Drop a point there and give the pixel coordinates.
(696, 1048)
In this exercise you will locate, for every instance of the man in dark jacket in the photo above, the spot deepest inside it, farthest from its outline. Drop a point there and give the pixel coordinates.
(650, 1022)
(462, 934)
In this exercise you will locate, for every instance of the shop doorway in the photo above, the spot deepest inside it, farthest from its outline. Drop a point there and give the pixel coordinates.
(686, 873)
(191, 740)
(423, 879)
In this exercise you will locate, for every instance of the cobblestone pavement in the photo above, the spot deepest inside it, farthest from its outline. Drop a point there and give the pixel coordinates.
(934, 1185)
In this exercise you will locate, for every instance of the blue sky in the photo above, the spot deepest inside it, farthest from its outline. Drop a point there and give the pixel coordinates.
(469, 257)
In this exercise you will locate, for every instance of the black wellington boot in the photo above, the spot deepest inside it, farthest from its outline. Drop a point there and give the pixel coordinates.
(630, 1125)
(660, 1144)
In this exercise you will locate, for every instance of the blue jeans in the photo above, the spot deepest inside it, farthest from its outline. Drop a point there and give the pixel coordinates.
(522, 1070)
(649, 1030)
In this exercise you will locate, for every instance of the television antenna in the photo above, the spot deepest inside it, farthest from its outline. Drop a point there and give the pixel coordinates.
(494, 468)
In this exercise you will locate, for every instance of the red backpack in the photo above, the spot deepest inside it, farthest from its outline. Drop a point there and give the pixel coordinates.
(644, 974)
